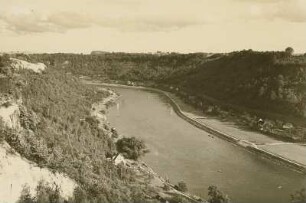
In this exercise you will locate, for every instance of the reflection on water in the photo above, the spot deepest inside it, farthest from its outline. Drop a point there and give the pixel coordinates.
(179, 151)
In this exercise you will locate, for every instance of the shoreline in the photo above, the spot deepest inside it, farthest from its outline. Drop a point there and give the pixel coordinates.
(249, 146)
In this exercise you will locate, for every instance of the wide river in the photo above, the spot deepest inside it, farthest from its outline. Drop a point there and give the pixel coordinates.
(182, 152)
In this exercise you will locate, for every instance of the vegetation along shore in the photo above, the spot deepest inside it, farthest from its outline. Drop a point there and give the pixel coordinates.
(58, 123)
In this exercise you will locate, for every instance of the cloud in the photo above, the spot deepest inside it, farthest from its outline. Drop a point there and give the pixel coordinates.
(70, 20)
(293, 11)
(26, 22)
(285, 10)
(148, 23)
(261, 1)
(32, 22)
(142, 15)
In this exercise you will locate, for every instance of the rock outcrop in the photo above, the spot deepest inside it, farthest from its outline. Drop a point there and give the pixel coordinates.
(21, 64)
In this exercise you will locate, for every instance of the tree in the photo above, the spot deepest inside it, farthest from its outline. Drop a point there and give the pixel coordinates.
(4, 60)
(4, 65)
(131, 148)
(216, 196)
(45, 193)
(289, 51)
(178, 199)
(80, 195)
(25, 196)
(181, 186)
(166, 187)
(299, 196)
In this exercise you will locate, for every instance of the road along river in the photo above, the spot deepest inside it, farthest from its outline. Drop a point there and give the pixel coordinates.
(180, 151)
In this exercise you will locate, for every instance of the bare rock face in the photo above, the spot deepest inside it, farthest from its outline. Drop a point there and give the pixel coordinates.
(20, 64)
(16, 171)
(9, 114)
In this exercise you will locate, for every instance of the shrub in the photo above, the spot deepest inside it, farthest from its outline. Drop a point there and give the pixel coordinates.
(181, 186)
(178, 199)
(216, 196)
(2, 130)
(166, 187)
(4, 60)
(131, 148)
(299, 196)
(7, 104)
(25, 195)
(80, 195)
(45, 193)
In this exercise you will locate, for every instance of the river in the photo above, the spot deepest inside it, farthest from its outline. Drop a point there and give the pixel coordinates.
(182, 152)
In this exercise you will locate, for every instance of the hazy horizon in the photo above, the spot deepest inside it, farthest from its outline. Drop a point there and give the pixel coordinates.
(141, 26)
(140, 52)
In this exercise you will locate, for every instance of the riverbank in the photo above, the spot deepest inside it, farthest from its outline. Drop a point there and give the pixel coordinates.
(251, 146)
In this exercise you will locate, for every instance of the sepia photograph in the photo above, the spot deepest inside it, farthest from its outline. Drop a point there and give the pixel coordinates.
(152, 101)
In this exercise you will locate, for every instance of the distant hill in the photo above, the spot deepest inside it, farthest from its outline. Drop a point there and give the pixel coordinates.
(250, 79)
(268, 85)
(263, 80)
(98, 52)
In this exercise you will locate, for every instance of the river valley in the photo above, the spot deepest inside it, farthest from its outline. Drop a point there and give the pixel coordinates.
(181, 152)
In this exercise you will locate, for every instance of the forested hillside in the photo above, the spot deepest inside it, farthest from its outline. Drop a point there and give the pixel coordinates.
(250, 79)
(53, 127)
(124, 66)
(267, 85)
(262, 80)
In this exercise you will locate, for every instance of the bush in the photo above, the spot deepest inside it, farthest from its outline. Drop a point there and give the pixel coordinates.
(181, 186)
(45, 193)
(166, 187)
(178, 199)
(4, 65)
(25, 195)
(131, 148)
(7, 104)
(48, 193)
(4, 60)
(216, 196)
(80, 195)
(299, 196)
(2, 130)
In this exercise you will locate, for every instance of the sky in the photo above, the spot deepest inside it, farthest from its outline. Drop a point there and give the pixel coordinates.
(80, 26)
